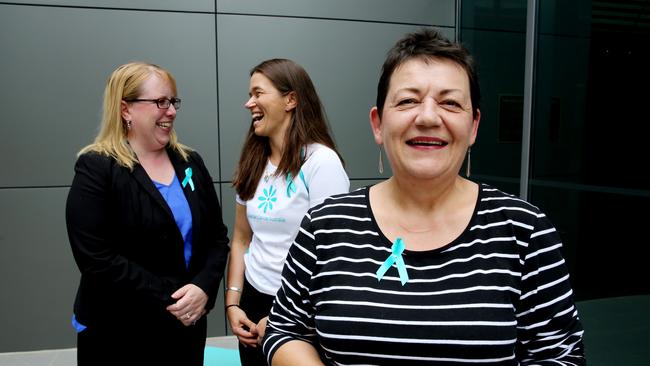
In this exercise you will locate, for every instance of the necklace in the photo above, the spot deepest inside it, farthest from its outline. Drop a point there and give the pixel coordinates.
(267, 175)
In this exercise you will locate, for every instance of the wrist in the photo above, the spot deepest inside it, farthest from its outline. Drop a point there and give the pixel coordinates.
(232, 305)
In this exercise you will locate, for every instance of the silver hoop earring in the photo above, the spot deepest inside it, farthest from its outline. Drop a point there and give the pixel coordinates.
(381, 161)
(468, 167)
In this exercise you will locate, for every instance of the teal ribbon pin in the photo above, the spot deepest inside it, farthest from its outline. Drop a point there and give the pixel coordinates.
(188, 178)
(290, 186)
(395, 257)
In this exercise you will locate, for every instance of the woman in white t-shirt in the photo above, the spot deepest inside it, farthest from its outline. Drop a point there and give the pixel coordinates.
(288, 164)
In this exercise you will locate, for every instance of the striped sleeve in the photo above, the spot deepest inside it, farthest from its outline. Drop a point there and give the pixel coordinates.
(292, 315)
(549, 331)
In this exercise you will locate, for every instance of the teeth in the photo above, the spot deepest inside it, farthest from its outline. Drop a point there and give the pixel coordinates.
(257, 117)
(417, 142)
(164, 124)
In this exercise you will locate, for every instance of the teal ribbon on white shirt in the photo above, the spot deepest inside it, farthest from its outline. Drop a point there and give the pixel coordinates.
(290, 186)
(188, 179)
(395, 258)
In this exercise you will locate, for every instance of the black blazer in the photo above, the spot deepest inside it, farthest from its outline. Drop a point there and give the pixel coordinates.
(128, 247)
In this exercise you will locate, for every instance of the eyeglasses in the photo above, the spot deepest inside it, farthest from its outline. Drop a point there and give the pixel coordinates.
(162, 103)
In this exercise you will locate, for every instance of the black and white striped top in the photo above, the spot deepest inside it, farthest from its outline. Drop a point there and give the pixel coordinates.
(497, 295)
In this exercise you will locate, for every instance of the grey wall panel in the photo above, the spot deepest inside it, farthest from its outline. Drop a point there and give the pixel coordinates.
(53, 68)
(425, 12)
(343, 58)
(216, 318)
(38, 276)
(185, 5)
(228, 208)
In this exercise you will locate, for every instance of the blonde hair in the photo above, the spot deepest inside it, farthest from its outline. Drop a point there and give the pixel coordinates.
(125, 83)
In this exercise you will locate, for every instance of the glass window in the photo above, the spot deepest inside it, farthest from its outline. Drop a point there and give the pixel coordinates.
(588, 156)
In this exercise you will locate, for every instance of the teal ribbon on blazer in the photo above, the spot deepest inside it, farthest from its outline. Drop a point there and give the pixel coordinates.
(395, 258)
(188, 179)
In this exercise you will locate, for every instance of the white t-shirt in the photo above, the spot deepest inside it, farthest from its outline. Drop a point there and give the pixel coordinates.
(277, 208)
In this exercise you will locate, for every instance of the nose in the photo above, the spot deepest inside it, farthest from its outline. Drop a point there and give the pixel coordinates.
(250, 103)
(171, 111)
(428, 115)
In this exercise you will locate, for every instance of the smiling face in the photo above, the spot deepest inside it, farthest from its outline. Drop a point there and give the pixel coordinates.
(150, 126)
(270, 110)
(426, 125)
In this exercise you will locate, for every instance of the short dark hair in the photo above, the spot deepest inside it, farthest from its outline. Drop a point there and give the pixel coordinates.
(427, 44)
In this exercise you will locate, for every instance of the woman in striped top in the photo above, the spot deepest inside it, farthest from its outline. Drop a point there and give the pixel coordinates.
(426, 267)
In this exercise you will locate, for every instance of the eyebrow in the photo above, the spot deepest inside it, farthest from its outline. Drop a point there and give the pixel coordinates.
(450, 91)
(412, 89)
(160, 97)
(407, 89)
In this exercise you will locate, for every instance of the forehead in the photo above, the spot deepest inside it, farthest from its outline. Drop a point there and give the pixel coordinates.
(436, 73)
(259, 80)
(157, 85)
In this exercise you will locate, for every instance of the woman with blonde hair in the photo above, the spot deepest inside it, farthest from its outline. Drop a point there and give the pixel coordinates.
(145, 228)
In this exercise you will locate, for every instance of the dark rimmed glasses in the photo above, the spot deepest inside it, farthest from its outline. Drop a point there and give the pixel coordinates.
(162, 103)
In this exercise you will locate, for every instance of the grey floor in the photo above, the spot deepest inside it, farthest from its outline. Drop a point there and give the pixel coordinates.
(68, 357)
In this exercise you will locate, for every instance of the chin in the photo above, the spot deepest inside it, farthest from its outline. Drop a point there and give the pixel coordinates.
(259, 132)
(425, 172)
(163, 143)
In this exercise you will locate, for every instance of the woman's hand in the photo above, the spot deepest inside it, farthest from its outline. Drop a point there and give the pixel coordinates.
(245, 330)
(190, 304)
(261, 329)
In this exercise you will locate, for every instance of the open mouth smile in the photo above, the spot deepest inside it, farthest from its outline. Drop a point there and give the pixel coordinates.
(164, 124)
(426, 142)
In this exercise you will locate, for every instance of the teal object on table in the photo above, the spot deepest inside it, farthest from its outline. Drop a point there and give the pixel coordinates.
(217, 356)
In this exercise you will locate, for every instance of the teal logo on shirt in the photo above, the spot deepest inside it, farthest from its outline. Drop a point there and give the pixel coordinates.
(267, 198)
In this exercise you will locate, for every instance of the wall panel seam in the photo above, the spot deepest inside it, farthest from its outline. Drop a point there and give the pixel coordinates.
(335, 19)
(108, 8)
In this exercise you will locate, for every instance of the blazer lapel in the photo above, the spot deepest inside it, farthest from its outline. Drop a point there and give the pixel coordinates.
(143, 179)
